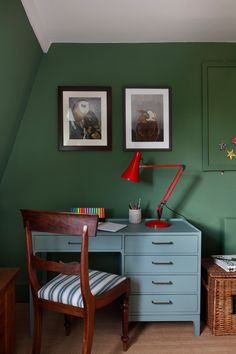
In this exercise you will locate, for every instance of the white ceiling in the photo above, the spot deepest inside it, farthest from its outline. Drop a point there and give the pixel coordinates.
(131, 21)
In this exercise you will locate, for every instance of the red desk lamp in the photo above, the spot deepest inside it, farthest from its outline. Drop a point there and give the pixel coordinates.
(132, 174)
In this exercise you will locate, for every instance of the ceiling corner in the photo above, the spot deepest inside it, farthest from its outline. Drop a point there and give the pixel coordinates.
(36, 23)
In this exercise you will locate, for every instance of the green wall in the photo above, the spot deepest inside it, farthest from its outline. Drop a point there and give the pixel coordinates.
(39, 176)
(19, 61)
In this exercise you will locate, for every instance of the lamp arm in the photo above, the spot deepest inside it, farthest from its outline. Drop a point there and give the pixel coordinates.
(172, 185)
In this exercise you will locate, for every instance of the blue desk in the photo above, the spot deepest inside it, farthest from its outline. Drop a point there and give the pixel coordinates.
(164, 266)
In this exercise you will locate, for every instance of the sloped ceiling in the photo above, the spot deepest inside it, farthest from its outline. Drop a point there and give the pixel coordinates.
(126, 21)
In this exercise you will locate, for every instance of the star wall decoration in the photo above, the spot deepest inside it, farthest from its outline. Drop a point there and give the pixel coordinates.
(231, 154)
(222, 146)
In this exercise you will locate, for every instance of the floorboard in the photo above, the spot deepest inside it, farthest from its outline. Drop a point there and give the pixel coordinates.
(145, 338)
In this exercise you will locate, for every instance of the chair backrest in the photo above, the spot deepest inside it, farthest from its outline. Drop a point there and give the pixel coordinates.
(59, 223)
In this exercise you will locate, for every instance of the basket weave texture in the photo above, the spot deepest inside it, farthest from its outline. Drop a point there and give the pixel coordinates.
(220, 288)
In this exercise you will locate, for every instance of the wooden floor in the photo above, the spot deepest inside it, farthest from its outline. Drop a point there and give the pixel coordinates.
(145, 338)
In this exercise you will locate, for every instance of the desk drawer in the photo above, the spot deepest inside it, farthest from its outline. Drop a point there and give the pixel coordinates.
(164, 284)
(161, 264)
(150, 304)
(73, 243)
(161, 244)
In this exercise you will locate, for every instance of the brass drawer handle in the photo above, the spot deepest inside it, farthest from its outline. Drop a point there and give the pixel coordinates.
(74, 243)
(162, 282)
(162, 263)
(163, 243)
(169, 302)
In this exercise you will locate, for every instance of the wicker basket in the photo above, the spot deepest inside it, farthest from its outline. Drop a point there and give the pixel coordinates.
(220, 289)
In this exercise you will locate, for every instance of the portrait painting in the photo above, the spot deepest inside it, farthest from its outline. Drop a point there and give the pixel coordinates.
(147, 118)
(84, 118)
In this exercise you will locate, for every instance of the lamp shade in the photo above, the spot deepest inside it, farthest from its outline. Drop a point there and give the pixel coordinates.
(132, 172)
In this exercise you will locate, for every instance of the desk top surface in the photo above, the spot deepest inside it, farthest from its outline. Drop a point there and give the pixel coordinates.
(177, 227)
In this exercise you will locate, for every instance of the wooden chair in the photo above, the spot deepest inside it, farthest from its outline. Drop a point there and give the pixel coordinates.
(76, 291)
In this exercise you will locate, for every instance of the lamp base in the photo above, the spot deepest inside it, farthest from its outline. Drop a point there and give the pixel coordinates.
(157, 223)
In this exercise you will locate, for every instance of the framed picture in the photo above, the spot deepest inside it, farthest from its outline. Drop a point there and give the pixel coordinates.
(147, 119)
(84, 118)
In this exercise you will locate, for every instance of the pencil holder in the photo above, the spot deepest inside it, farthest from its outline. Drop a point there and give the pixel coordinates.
(135, 216)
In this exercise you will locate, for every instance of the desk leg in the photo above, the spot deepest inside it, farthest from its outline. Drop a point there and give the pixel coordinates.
(196, 323)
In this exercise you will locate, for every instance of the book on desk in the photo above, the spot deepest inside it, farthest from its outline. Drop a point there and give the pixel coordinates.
(110, 226)
(102, 225)
(226, 262)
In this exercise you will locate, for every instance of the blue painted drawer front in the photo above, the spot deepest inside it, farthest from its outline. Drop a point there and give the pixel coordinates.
(73, 243)
(161, 264)
(164, 284)
(163, 304)
(161, 244)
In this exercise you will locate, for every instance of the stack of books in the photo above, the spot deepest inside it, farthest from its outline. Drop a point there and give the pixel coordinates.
(227, 262)
(97, 211)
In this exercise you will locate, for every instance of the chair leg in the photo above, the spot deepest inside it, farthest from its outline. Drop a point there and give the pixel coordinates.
(125, 322)
(67, 324)
(37, 335)
(88, 332)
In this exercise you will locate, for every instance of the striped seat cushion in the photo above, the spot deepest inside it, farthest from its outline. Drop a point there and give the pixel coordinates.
(66, 288)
